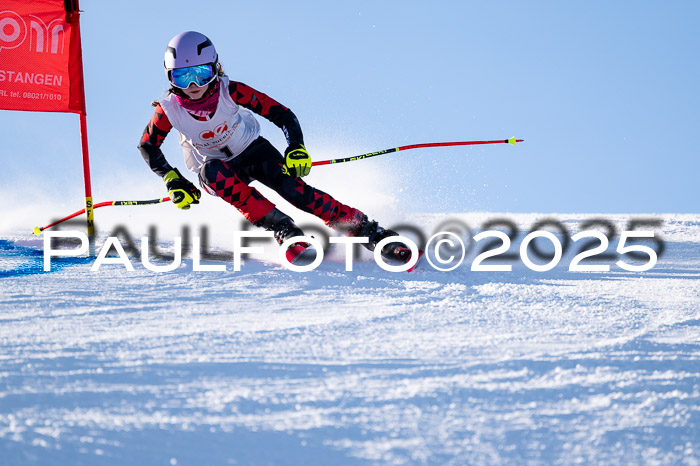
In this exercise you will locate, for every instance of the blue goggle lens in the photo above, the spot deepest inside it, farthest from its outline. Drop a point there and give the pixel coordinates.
(200, 75)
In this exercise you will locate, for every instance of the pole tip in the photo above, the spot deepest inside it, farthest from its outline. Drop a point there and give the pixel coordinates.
(512, 140)
(37, 231)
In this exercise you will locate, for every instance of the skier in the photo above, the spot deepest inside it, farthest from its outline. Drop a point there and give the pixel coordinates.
(221, 141)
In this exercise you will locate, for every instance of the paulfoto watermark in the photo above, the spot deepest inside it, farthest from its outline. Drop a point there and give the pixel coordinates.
(495, 246)
(239, 250)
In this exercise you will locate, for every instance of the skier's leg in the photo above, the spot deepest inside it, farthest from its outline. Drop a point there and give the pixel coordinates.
(224, 180)
(221, 179)
(264, 163)
(266, 166)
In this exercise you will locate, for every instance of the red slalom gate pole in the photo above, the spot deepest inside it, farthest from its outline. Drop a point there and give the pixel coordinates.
(88, 185)
(78, 90)
(415, 146)
(38, 230)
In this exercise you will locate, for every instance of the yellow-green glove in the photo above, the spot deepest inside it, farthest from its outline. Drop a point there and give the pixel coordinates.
(297, 161)
(181, 191)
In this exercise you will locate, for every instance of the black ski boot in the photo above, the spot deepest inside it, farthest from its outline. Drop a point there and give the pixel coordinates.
(281, 224)
(284, 228)
(395, 251)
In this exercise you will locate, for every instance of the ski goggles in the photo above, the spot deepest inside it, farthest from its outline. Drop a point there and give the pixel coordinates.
(200, 75)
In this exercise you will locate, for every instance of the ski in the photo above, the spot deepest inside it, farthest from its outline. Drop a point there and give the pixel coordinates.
(420, 255)
(303, 254)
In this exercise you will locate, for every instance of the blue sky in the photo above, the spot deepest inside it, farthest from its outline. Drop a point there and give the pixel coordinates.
(605, 94)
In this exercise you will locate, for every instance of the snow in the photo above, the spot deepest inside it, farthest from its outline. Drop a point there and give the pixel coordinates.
(269, 366)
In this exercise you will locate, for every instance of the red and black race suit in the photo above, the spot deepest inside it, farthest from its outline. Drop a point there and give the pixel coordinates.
(260, 161)
(242, 94)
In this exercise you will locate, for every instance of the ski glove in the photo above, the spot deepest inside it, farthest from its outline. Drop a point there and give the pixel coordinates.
(297, 161)
(181, 191)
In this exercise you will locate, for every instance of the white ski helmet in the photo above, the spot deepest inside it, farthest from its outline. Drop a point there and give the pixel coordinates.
(189, 48)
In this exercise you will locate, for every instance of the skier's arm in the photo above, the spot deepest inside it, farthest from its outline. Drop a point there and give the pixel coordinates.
(153, 136)
(269, 108)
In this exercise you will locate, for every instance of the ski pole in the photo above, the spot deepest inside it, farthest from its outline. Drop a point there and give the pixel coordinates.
(38, 230)
(416, 146)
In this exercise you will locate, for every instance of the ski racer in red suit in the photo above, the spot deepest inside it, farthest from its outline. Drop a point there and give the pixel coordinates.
(221, 140)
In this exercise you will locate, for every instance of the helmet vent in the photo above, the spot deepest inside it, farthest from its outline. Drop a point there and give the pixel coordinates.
(204, 44)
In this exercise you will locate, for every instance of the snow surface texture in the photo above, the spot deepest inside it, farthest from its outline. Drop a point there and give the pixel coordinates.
(268, 366)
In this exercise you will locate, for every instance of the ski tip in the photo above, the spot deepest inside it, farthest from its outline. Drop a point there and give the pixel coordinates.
(301, 254)
(420, 254)
(37, 231)
(294, 252)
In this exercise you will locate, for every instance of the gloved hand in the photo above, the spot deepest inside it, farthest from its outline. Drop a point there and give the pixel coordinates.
(297, 161)
(181, 191)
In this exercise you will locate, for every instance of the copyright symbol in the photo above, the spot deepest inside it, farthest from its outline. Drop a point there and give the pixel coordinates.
(445, 250)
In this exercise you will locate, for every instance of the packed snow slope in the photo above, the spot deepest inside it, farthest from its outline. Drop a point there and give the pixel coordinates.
(270, 366)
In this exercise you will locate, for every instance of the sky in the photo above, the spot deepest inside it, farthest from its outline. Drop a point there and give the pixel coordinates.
(604, 94)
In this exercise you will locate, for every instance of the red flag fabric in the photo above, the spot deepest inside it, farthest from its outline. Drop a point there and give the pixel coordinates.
(40, 56)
